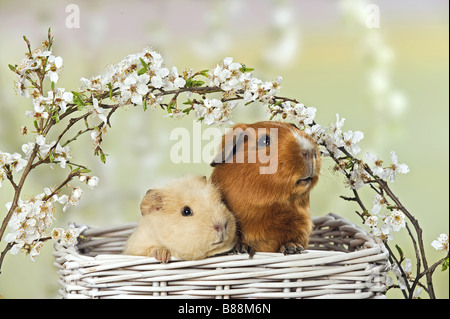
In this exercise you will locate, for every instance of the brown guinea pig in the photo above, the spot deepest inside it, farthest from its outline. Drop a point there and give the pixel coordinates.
(265, 172)
(186, 219)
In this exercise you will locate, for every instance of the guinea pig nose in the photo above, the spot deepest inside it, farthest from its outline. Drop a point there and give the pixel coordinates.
(217, 227)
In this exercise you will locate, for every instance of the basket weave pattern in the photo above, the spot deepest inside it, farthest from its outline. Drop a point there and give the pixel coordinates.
(342, 261)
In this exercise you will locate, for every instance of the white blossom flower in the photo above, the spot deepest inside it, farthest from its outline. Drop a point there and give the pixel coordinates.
(53, 67)
(92, 181)
(333, 140)
(395, 168)
(36, 249)
(396, 220)
(2, 176)
(371, 221)
(378, 168)
(378, 202)
(208, 110)
(70, 236)
(29, 223)
(98, 111)
(57, 233)
(441, 243)
(299, 113)
(398, 273)
(61, 98)
(14, 160)
(157, 80)
(317, 132)
(351, 140)
(358, 177)
(134, 87)
(98, 83)
(27, 149)
(40, 140)
(41, 106)
(62, 154)
(74, 198)
(174, 80)
(226, 75)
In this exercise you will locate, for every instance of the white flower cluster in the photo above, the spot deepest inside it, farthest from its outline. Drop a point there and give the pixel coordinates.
(55, 103)
(390, 172)
(334, 138)
(406, 280)
(133, 77)
(67, 237)
(233, 78)
(10, 162)
(32, 218)
(39, 59)
(29, 223)
(393, 221)
(37, 66)
(296, 113)
(58, 153)
(214, 111)
(441, 243)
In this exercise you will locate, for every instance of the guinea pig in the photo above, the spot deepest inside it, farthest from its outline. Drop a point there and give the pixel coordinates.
(265, 172)
(185, 219)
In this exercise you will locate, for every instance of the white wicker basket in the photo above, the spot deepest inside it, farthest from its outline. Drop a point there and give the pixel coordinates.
(342, 261)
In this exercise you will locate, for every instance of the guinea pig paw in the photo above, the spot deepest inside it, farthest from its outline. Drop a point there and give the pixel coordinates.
(162, 254)
(291, 249)
(242, 248)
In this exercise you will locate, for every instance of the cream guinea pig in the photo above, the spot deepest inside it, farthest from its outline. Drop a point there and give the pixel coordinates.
(185, 219)
(272, 208)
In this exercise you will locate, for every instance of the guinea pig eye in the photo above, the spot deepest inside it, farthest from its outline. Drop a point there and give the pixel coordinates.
(264, 140)
(186, 211)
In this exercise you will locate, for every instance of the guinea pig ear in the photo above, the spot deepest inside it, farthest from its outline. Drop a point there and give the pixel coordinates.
(152, 202)
(231, 141)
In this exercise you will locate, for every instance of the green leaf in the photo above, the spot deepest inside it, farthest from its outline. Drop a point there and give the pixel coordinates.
(144, 103)
(142, 71)
(197, 83)
(445, 264)
(103, 157)
(12, 67)
(144, 68)
(55, 116)
(189, 83)
(400, 251)
(193, 83)
(75, 170)
(85, 171)
(109, 85)
(144, 64)
(204, 73)
(78, 100)
(245, 69)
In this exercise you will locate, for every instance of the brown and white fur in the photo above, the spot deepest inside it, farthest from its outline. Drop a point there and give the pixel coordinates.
(272, 210)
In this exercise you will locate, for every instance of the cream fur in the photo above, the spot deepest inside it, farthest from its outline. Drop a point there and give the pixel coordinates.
(165, 231)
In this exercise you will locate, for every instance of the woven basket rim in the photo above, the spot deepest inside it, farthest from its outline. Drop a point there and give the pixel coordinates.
(113, 275)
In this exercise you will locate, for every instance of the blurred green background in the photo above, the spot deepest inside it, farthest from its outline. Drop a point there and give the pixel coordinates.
(391, 82)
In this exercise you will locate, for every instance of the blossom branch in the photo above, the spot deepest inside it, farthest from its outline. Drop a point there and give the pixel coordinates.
(142, 80)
